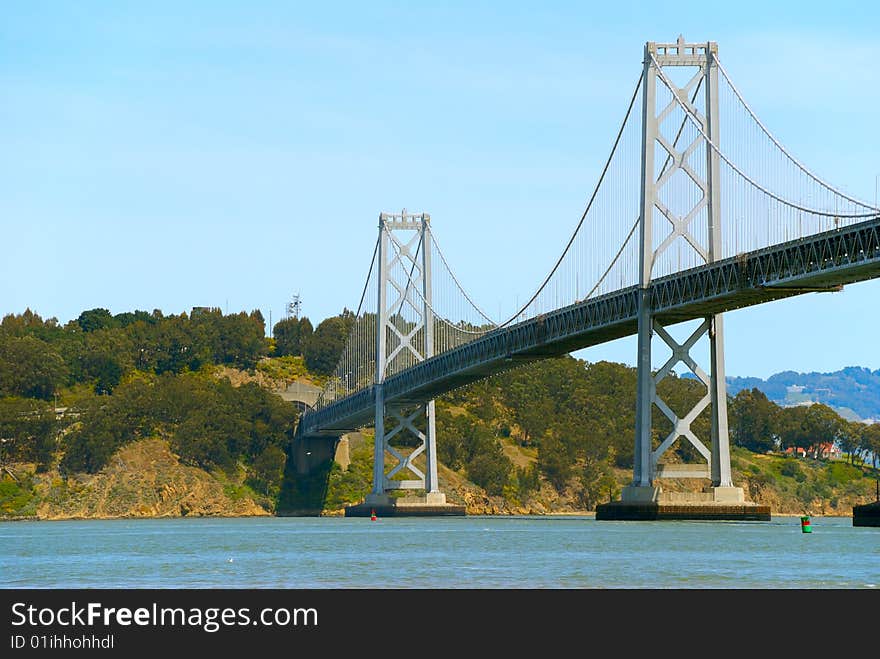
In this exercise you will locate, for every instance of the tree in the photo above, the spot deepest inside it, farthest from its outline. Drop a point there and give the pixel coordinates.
(29, 367)
(821, 424)
(173, 349)
(126, 318)
(101, 357)
(809, 427)
(610, 392)
(324, 347)
(107, 424)
(95, 319)
(753, 421)
(241, 339)
(850, 438)
(556, 461)
(268, 468)
(490, 469)
(537, 393)
(454, 436)
(870, 442)
(789, 427)
(30, 323)
(291, 334)
(27, 432)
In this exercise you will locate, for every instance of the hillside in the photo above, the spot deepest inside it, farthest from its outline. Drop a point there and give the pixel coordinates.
(146, 479)
(193, 414)
(853, 392)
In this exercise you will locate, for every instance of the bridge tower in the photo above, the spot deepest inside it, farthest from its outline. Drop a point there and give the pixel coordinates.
(405, 249)
(663, 159)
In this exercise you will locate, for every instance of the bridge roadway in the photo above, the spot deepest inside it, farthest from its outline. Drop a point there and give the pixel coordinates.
(822, 262)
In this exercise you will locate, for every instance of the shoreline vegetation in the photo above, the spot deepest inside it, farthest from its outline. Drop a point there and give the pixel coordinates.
(142, 415)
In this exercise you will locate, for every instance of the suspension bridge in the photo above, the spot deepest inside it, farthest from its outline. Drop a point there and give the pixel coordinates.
(698, 210)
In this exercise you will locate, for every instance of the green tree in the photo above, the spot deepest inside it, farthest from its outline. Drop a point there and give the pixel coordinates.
(30, 323)
(790, 427)
(172, 348)
(101, 357)
(850, 438)
(598, 483)
(455, 433)
(127, 318)
(241, 340)
(556, 460)
(324, 347)
(490, 468)
(526, 480)
(270, 418)
(95, 319)
(753, 421)
(821, 424)
(291, 334)
(29, 367)
(268, 469)
(870, 442)
(27, 432)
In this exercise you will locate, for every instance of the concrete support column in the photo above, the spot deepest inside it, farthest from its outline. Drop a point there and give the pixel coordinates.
(721, 476)
(643, 471)
(379, 443)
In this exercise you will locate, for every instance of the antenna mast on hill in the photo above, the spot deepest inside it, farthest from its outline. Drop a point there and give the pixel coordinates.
(293, 307)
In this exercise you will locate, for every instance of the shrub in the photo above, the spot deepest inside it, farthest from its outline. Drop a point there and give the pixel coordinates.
(840, 473)
(490, 470)
(792, 469)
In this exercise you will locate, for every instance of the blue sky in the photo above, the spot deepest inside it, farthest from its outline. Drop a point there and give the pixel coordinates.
(230, 154)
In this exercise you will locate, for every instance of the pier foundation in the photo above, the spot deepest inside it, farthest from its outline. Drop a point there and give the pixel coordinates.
(867, 514)
(433, 504)
(713, 503)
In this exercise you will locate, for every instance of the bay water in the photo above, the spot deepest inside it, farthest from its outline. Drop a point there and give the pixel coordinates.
(509, 552)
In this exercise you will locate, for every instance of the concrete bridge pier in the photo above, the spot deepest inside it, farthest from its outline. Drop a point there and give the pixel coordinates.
(310, 454)
(306, 476)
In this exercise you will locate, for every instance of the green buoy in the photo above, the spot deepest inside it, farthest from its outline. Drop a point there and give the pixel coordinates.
(805, 524)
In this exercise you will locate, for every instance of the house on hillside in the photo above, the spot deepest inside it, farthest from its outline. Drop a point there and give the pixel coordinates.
(823, 451)
(826, 451)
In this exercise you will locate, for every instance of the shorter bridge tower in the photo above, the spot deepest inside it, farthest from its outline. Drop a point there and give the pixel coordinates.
(404, 337)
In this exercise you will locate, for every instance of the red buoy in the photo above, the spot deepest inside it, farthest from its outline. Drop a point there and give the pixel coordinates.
(373, 514)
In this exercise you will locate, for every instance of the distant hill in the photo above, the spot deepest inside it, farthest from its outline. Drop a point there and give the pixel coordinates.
(854, 392)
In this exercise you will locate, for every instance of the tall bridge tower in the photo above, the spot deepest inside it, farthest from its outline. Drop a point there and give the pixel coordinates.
(698, 224)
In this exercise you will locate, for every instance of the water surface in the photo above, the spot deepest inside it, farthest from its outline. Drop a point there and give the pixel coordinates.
(445, 552)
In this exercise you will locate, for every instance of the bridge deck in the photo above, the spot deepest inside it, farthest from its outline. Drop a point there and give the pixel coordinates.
(821, 262)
